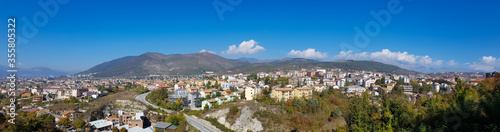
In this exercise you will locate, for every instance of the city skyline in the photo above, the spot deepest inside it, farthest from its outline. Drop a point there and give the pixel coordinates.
(420, 35)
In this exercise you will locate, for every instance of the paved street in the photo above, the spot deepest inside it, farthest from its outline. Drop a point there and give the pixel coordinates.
(142, 98)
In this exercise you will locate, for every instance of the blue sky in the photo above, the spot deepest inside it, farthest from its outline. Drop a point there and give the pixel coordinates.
(421, 35)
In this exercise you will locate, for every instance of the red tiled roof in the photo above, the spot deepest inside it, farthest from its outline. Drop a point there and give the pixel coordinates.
(212, 100)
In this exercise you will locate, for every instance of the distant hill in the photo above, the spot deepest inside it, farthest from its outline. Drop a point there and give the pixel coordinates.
(250, 60)
(33, 72)
(198, 63)
(156, 63)
(299, 63)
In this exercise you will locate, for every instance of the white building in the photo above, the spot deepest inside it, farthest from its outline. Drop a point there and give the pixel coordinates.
(354, 88)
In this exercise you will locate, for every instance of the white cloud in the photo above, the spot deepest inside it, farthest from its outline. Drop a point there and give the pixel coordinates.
(489, 59)
(438, 62)
(343, 54)
(203, 50)
(245, 47)
(309, 53)
(452, 63)
(384, 55)
(387, 55)
(401, 59)
(487, 63)
(425, 60)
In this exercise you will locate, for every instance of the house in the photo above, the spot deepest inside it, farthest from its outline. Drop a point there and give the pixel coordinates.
(436, 87)
(179, 94)
(114, 119)
(37, 98)
(193, 99)
(250, 92)
(233, 83)
(209, 102)
(390, 86)
(231, 97)
(354, 88)
(204, 93)
(136, 123)
(26, 94)
(239, 93)
(383, 90)
(151, 87)
(476, 81)
(221, 100)
(163, 127)
(319, 88)
(202, 87)
(101, 125)
(40, 91)
(179, 86)
(71, 114)
(193, 89)
(226, 92)
(407, 88)
(67, 93)
(329, 82)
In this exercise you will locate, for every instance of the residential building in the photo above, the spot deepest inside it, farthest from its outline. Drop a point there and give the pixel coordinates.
(354, 88)
(305, 92)
(71, 114)
(282, 94)
(407, 88)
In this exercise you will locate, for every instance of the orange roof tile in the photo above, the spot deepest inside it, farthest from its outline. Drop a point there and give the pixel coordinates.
(212, 100)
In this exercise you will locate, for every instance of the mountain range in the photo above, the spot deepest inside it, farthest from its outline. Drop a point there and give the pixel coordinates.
(33, 72)
(199, 63)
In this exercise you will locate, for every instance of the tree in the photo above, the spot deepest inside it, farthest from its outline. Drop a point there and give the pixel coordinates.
(176, 119)
(178, 104)
(79, 124)
(64, 122)
(252, 76)
(321, 81)
(123, 129)
(2, 119)
(206, 107)
(46, 117)
(115, 129)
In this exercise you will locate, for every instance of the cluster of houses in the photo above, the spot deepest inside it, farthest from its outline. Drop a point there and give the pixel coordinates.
(132, 121)
(301, 84)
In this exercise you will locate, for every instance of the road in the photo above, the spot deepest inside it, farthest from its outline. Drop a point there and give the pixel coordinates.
(203, 126)
(142, 98)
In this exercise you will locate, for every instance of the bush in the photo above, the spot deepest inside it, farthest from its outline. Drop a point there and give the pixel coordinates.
(336, 113)
(233, 110)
